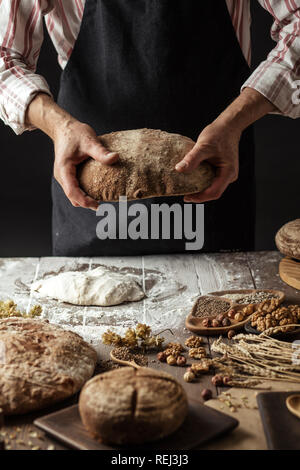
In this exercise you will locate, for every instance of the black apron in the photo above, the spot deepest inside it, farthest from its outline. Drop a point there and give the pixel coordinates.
(163, 64)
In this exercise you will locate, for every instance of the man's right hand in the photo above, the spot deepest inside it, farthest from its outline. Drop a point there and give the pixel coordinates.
(74, 142)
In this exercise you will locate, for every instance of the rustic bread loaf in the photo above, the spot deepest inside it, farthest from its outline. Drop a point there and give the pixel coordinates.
(40, 364)
(288, 239)
(132, 406)
(146, 167)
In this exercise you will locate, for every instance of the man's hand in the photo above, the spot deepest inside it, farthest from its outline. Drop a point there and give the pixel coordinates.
(74, 142)
(219, 146)
(218, 143)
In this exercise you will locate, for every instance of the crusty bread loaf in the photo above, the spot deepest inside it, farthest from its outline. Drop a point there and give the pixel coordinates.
(132, 406)
(146, 167)
(288, 239)
(40, 364)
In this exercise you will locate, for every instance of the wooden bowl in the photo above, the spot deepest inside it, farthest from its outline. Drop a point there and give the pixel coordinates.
(195, 325)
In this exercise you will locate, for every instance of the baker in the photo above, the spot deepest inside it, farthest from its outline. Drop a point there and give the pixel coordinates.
(175, 65)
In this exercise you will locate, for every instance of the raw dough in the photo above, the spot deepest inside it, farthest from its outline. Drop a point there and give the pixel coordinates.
(97, 287)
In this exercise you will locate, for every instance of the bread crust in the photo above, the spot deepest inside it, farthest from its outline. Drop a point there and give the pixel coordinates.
(288, 239)
(146, 167)
(132, 406)
(41, 364)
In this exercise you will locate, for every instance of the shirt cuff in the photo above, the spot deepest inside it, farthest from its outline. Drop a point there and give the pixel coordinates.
(15, 101)
(279, 85)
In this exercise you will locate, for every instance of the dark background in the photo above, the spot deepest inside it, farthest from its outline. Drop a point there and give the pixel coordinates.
(26, 167)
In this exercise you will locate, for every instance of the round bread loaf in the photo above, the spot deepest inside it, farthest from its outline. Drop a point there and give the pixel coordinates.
(288, 239)
(40, 364)
(132, 406)
(146, 167)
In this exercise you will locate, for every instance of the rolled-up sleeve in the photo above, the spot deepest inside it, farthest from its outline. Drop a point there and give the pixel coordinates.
(21, 37)
(277, 78)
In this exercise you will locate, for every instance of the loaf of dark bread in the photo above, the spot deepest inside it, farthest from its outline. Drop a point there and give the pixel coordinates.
(146, 167)
(132, 406)
(288, 239)
(40, 364)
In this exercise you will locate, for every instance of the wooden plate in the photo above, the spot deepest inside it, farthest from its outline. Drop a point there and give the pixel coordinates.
(202, 424)
(277, 293)
(289, 271)
(194, 324)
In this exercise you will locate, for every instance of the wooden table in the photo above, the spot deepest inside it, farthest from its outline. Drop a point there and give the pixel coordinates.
(171, 284)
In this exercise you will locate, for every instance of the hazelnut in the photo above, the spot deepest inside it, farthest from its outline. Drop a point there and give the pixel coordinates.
(215, 323)
(230, 334)
(171, 360)
(161, 356)
(189, 376)
(220, 317)
(226, 380)
(226, 322)
(231, 313)
(206, 323)
(181, 361)
(217, 380)
(239, 316)
(206, 394)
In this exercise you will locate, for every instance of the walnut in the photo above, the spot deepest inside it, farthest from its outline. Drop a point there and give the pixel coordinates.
(175, 350)
(176, 347)
(194, 341)
(202, 367)
(270, 315)
(197, 353)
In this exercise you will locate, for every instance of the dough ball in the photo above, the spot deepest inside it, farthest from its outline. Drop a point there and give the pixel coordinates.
(99, 287)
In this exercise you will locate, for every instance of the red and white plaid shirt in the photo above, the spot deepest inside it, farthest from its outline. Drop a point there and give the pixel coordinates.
(21, 37)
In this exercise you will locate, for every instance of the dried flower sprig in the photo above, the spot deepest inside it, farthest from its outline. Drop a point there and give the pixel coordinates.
(140, 337)
(8, 308)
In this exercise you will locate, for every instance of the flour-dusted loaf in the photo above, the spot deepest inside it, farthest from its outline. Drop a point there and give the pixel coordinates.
(40, 364)
(132, 406)
(146, 167)
(288, 239)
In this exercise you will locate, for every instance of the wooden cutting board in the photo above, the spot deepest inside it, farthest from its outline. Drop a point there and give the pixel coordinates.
(289, 271)
(202, 424)
(282, 428)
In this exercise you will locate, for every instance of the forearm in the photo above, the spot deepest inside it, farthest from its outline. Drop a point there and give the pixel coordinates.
(47, 116)
(276, 77)
(244, 110)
